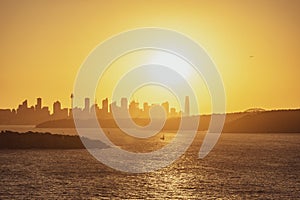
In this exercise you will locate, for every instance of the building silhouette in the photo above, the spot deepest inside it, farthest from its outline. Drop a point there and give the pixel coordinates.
(58, 112)
(165, 105)
(187, 106)
(86, 105)
(124, 103)
(134, 109)
(105, 106)
(38, 105)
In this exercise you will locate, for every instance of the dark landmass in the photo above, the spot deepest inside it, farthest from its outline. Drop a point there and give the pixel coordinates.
(278, 121)
(35, 140)
(171, 123)
(257, 121)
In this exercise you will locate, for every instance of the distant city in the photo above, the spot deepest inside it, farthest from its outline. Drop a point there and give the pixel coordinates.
(38, 113)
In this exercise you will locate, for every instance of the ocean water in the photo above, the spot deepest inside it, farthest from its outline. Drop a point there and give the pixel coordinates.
(241, 166)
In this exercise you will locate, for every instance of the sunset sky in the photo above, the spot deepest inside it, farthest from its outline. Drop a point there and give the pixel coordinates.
(255, 45)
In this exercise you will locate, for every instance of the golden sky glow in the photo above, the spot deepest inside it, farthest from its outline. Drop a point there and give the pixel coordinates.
(255, 45)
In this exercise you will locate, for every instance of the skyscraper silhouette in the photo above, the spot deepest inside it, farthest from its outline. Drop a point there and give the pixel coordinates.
(165, 105)
(38, 105)
(56, 107)
(87, 105)
(105, 106)
(124, 103)
(187, 106)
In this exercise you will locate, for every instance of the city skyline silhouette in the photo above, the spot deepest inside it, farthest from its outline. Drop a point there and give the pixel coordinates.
(38, 113)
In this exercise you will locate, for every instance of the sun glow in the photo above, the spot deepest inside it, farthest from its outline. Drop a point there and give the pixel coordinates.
(130, 61)
(254, 45)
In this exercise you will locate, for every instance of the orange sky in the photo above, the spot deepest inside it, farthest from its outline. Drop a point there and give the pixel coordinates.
(43, 44)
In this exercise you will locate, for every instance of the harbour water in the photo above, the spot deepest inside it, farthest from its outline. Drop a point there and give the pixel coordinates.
(241, 166)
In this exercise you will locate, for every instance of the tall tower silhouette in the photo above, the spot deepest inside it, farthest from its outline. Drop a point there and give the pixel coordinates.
(72, 97)
(87, 105)
(187, 106)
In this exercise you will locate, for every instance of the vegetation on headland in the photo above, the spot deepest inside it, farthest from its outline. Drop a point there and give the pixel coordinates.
(35, 140)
